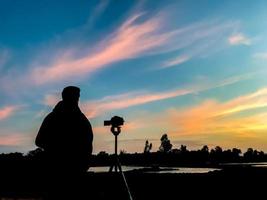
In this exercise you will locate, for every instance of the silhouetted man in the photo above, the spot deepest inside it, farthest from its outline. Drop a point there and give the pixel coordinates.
(66, 135)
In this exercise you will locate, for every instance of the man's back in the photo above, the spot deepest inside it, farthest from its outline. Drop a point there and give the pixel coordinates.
(66, 136)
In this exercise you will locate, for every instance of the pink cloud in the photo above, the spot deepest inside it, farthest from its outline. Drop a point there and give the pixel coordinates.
(135, 37)
(7, 111)
(97, 108)
(254, 100)
(12, 139)
(176, 61)
(51, 99)
(129, 41)
(238, 39)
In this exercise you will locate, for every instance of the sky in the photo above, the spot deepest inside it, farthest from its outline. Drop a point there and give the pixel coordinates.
(194, 70)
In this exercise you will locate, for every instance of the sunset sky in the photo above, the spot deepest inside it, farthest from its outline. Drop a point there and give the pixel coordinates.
(195, 70)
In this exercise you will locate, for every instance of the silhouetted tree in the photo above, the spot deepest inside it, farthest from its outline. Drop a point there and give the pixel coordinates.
(216, 154)
(176, 151)
(183, 148)
(204, 153)
(249, 153)
(102, 153)
(255, 153)
(261, 154)
(236, 152)
(122, 152)
(205, 149)
(218, 149)
(166, 145)
(148, 147)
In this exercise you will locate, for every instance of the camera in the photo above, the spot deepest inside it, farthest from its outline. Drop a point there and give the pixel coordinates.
(115, 121)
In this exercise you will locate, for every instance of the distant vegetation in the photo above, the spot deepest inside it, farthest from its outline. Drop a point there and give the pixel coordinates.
(166, 155)
(183, 157)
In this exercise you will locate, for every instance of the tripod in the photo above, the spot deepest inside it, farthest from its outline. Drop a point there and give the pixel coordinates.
(116, 162)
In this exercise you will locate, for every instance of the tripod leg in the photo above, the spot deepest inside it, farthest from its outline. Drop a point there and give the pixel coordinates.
(111, 168)
(119, 165)
(124, 180)
(113, 164)
(116, 170)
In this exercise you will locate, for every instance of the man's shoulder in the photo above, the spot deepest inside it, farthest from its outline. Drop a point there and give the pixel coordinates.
(83, 116)
(85, 119)
(50, 116)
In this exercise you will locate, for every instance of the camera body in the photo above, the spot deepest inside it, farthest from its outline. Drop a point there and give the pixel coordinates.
(115, 121)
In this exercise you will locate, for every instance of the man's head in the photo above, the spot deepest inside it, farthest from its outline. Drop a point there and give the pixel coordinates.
(71, 94)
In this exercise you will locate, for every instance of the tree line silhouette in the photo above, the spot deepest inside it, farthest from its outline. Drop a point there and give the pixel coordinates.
(169, 156)
(165, 155)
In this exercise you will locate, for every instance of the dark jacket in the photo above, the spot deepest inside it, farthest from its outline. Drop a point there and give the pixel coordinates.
(66, 136)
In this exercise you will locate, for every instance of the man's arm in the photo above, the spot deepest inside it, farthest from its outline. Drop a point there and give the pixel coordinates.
(90, 138)
(87, 136)
(41, 138)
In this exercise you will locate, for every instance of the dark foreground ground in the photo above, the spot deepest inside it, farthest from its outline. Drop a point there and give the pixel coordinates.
(233, 182)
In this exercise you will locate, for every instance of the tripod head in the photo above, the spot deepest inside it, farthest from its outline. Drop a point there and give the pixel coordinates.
(115, 122)
(115, 130)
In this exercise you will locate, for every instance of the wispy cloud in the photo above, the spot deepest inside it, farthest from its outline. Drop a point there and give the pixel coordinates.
(4, 57)
(96, 12)
(199, 40)
(176, 61)
(262, 55)
(139, 35)
(51, 99)
(257, 99)
(211, 117)
(98, 107)
(235, 79)
(106, 104)
(12, 139)
(130, 40)
(239, 39)
(7, 111)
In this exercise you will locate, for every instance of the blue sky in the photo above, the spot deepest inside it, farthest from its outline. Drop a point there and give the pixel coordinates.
(196, 71)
